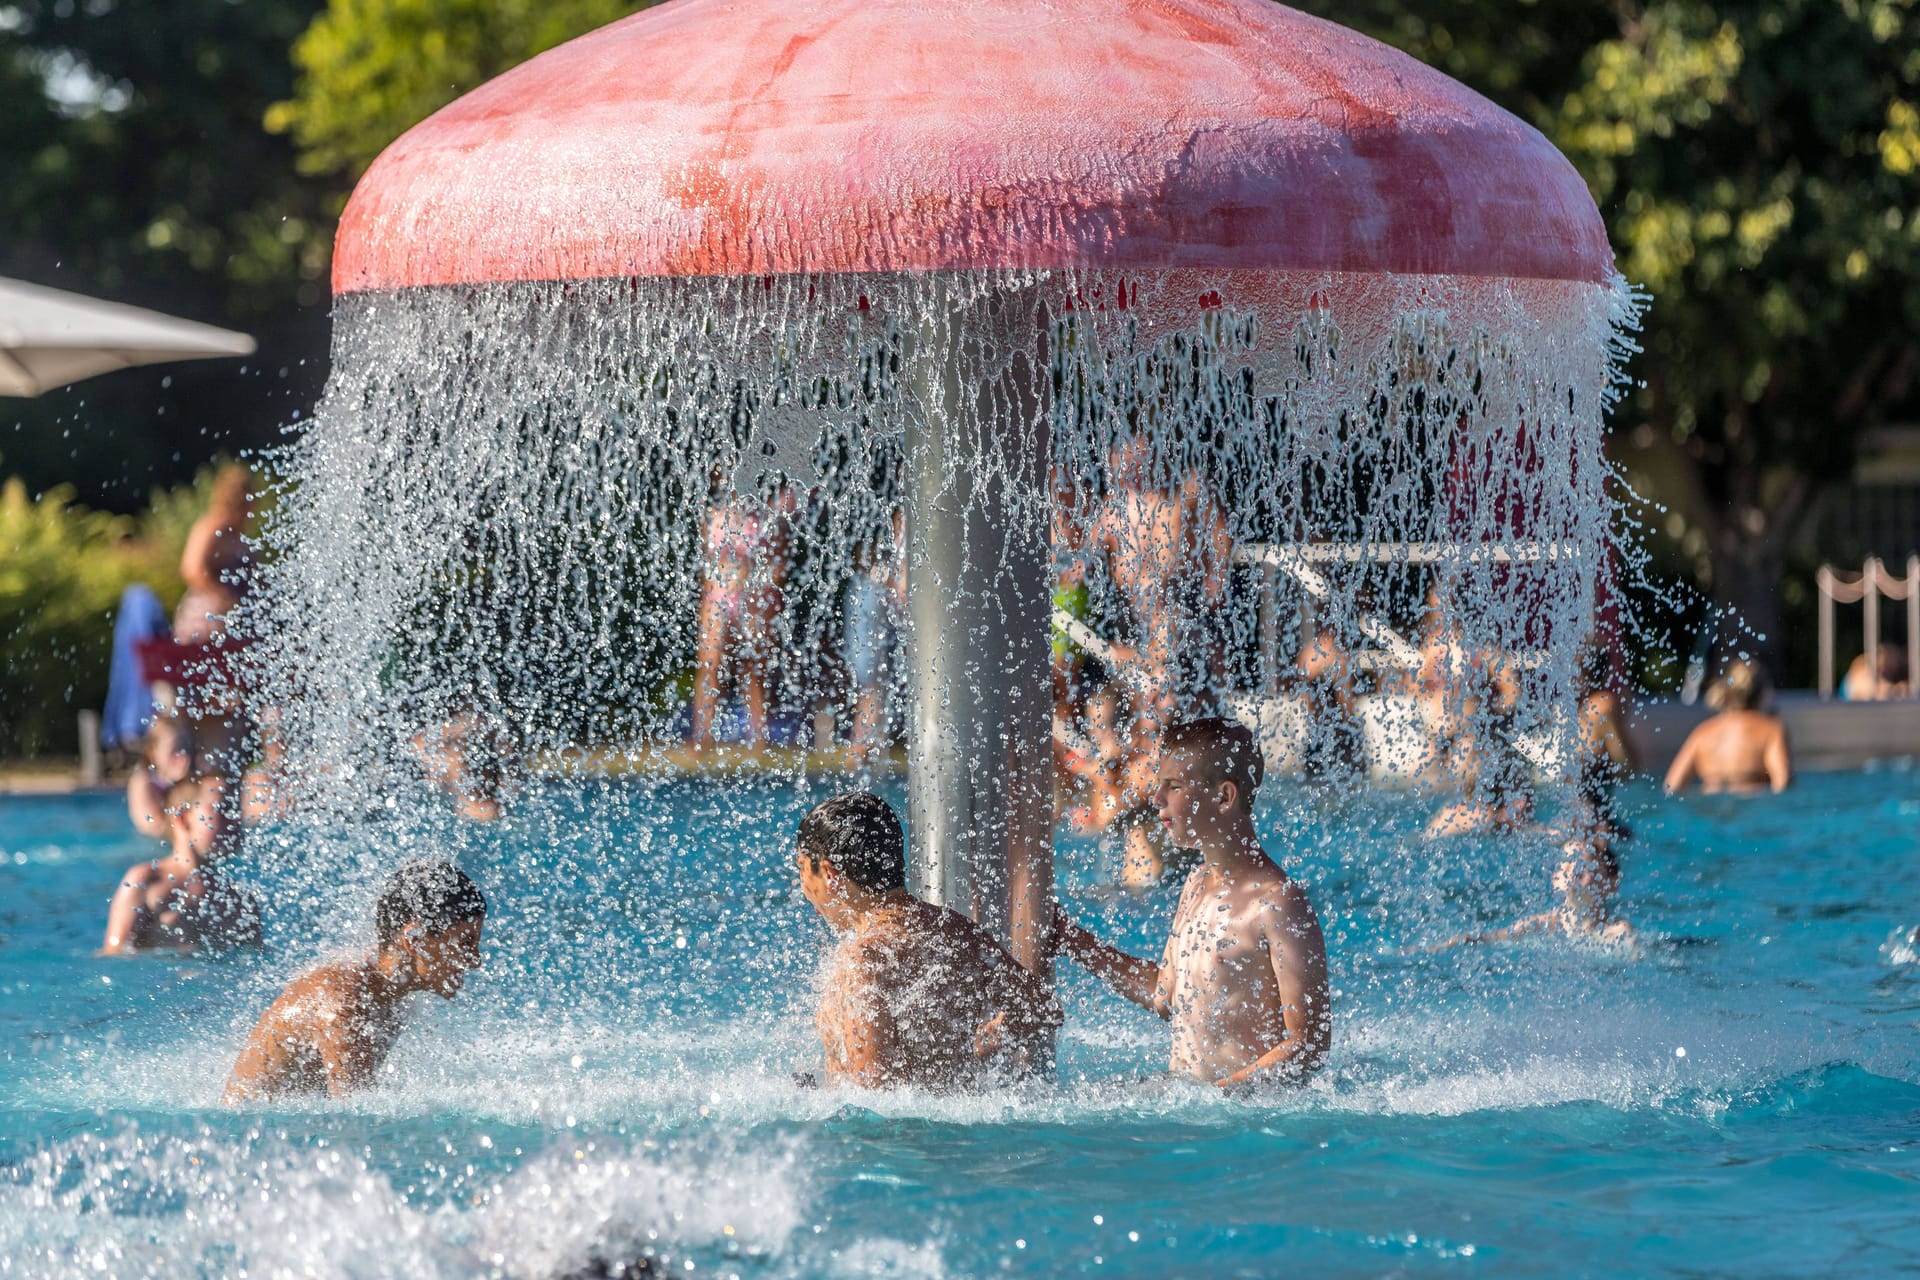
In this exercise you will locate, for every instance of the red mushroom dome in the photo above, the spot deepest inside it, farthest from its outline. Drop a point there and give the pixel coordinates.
(750, 138)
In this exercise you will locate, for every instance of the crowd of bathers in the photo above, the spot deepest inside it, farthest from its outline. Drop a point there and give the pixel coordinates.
(917, 994)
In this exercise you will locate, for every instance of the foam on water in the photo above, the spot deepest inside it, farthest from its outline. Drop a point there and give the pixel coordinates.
(133, 1204)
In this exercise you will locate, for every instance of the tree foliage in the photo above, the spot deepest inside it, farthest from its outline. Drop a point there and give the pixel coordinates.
(133, 165)
(1759, 180)
(62, 569)
(1758, 165)
(371, 69)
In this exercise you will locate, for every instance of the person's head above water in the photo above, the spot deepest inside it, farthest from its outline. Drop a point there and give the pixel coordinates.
(169, 749)
(428, 919)
(231, 494)
(193, 807)
(431, 893)
(1209, 772)
(858, 834)
(1221, 751)
(1741, 687)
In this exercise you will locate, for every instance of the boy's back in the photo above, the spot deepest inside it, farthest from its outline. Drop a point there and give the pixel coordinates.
(331, 1029)
(325, 1034)
(911, 997)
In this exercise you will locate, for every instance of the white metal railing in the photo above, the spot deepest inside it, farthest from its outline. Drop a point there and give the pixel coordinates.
(1873, 582)
(1523, 552)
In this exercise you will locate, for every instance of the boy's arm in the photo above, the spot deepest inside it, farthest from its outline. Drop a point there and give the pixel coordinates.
(1026, 1002)
(346, 1049)
(146, 803)
(123, 914)
(1140, 981)
(1299, 960)
(251, 1075)
(1541, 923)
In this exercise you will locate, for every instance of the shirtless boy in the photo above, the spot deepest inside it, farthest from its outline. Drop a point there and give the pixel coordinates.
(1741, 749)
(914, 994)
(333, 1026)
(181, 901)
(1244, 975)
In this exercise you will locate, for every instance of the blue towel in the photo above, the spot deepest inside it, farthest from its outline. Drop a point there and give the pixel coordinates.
(129, 706)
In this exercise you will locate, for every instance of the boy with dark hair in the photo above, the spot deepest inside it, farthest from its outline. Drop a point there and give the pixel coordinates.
(914, 994)
(1243, 979)
(181, 901)
(333, 1026)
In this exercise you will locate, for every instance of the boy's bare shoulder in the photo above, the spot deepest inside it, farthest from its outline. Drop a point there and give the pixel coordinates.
(323, 991)
(1280, 893)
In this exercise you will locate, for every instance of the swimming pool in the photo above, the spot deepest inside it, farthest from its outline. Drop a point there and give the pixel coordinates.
(1739, 1098)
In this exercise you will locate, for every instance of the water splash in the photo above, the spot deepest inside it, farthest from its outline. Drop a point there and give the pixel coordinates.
(502, 502)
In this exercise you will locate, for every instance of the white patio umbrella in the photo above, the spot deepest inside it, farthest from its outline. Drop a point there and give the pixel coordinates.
(49, 337)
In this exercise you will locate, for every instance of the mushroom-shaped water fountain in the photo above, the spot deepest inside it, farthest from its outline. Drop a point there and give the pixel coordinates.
(1003, 236)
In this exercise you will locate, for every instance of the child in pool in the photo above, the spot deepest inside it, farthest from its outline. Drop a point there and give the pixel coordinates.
(915, 994)
(334, 1025)
(168, 757)
(1243, 977)
(181, 901)
(1587, 880)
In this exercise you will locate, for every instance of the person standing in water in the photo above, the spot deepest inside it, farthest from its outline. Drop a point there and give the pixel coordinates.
(181, 901)
(217, 563)
(746, 566)
(914, 994)
(332, 1028)
(1743, 748)
(1243, 978)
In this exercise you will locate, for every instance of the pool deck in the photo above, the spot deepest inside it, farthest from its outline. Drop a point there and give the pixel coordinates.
(1825, 735)
(61, 776)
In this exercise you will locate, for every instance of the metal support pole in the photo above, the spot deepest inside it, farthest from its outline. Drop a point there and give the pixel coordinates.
(1823, 583)
(91, 771)
(980, 758)
(1270, 631)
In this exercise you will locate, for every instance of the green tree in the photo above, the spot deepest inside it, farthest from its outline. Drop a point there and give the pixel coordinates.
(62, 569)
(369, 70)
(136, 167)
(1756, 164)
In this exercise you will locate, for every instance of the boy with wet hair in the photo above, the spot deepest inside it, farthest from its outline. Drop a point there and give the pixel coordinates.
(181, 901)
(1243, 978)
(332, 1028)
(914, 994)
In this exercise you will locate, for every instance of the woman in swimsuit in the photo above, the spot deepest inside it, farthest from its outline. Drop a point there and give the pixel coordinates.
(1742, 749)
(746, 572)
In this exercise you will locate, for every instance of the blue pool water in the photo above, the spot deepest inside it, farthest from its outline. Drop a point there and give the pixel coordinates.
(618, 1078)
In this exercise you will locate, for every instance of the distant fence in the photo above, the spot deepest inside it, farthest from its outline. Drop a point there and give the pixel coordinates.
(1868, 587)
